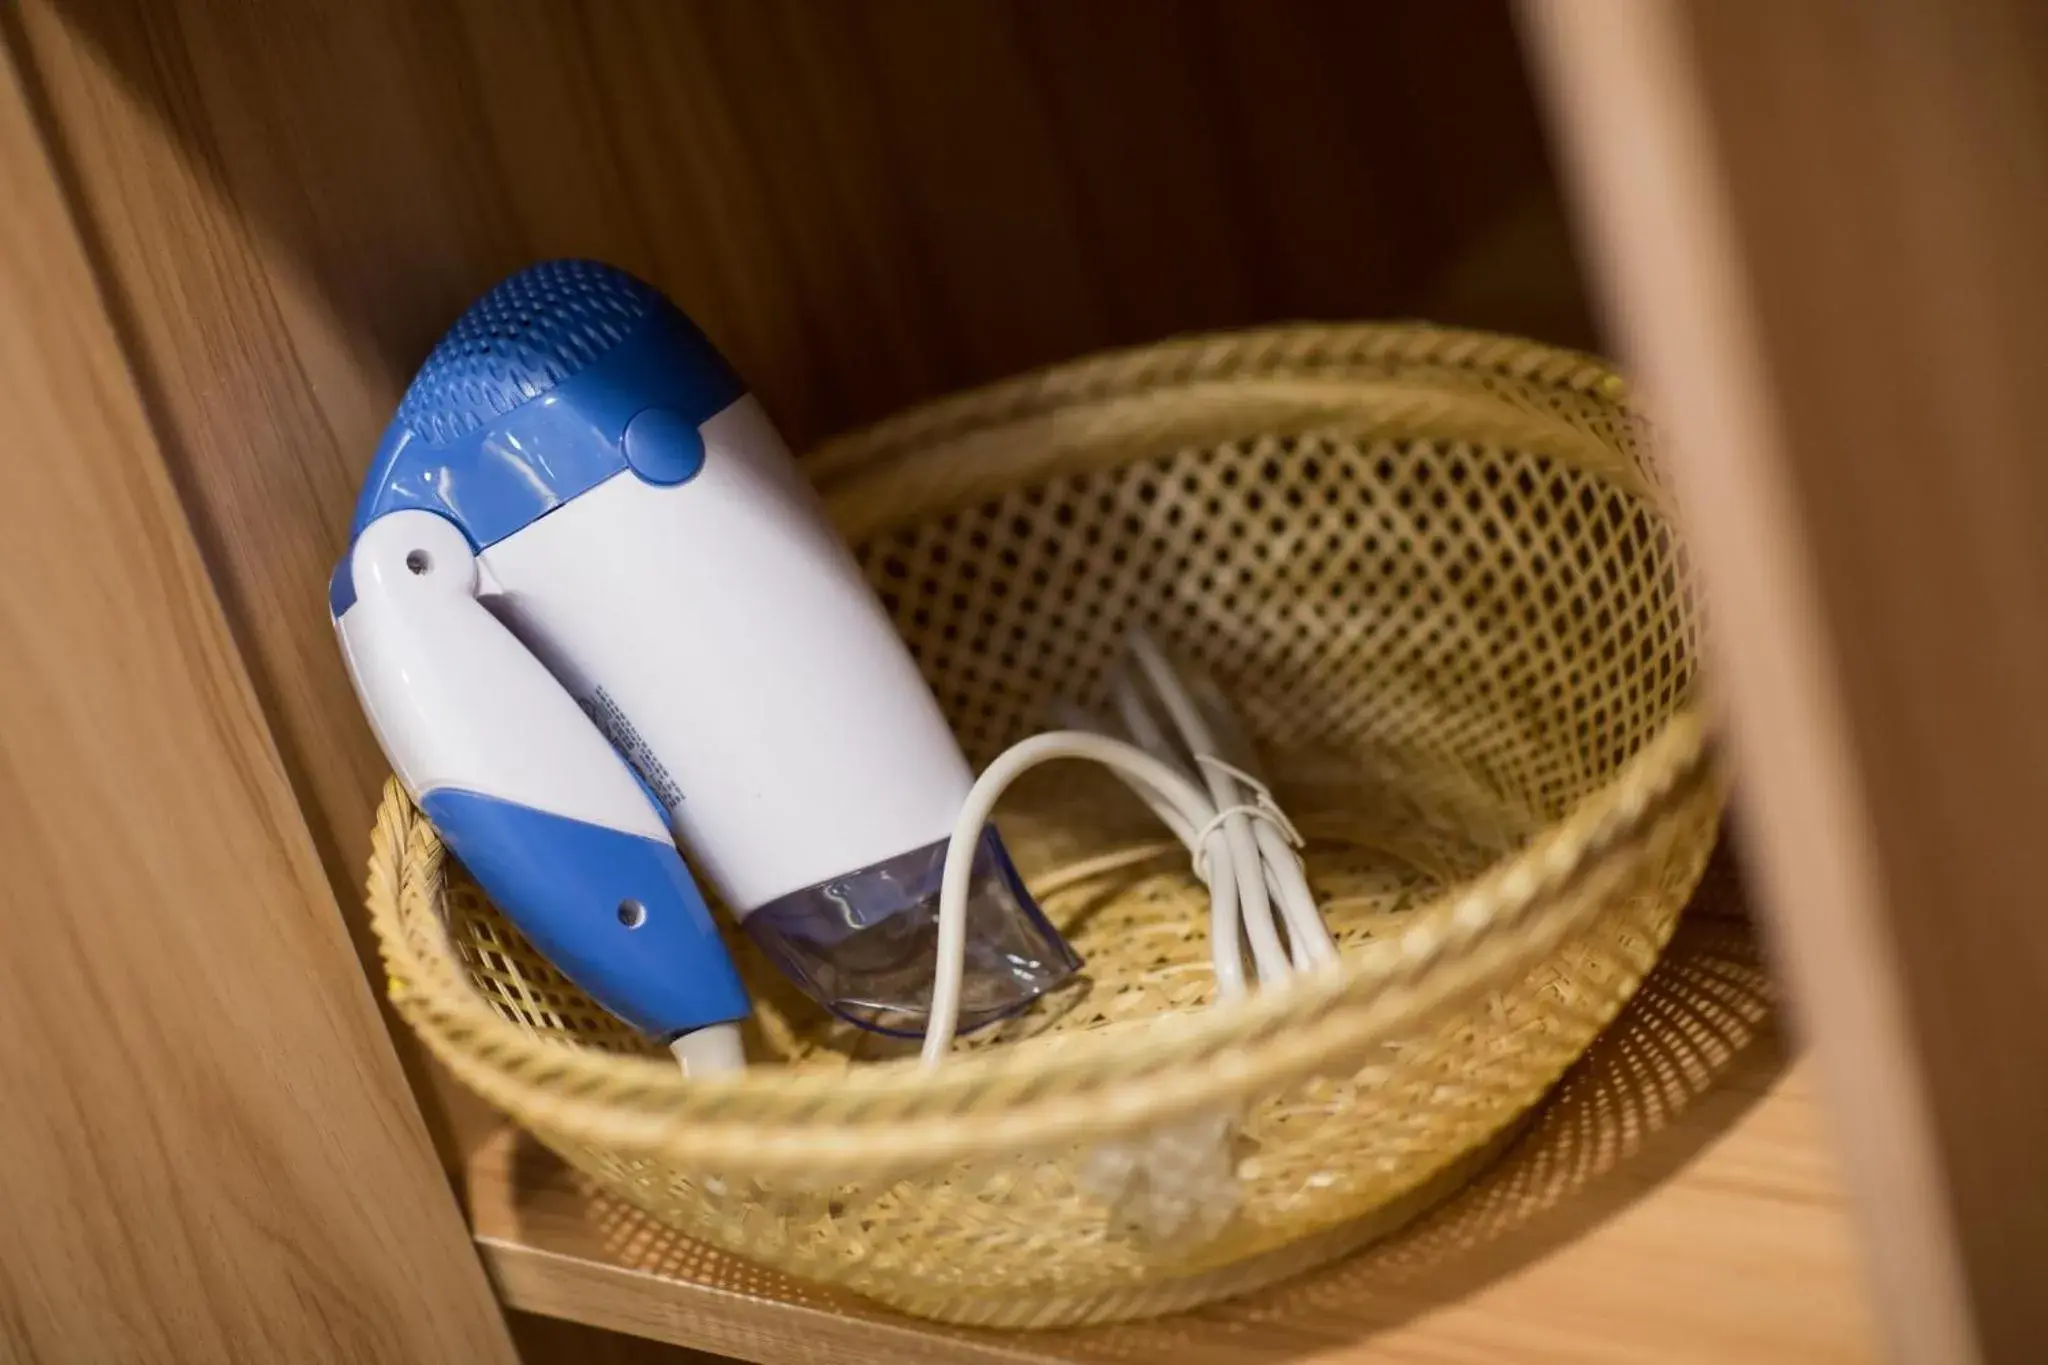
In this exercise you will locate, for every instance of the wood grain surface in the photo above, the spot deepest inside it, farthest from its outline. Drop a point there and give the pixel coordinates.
(863, 204)
(207, 1151)
(1676, 1202)
(1820, 228)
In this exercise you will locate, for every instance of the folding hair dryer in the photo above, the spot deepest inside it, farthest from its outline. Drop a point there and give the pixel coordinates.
(590, 601)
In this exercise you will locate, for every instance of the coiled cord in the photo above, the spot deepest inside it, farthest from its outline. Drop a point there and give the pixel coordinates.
(1241, 843)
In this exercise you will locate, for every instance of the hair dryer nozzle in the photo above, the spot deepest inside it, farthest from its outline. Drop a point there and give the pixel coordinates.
(864, 944)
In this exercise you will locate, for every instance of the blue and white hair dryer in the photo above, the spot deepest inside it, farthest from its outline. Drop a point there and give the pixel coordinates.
(590, 602)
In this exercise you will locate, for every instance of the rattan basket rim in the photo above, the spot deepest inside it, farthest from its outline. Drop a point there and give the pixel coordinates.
(775, 1119)
(1299, 351)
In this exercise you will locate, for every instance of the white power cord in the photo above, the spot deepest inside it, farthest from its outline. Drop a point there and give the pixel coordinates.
(711, 1051)
(1241, 842)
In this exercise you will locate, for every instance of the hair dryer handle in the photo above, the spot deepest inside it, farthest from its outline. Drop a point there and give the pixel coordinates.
(522, 786)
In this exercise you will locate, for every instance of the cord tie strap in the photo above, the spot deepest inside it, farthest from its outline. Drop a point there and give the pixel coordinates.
(1261, 807)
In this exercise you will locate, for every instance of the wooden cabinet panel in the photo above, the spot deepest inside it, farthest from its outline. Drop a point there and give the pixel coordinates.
(1821, 225)
(208, 1152)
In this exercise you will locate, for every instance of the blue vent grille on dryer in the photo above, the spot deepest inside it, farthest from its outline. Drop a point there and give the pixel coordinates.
(525, 336)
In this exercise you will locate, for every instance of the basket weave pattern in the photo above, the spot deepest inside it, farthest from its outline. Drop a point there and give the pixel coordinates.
(1434, 572)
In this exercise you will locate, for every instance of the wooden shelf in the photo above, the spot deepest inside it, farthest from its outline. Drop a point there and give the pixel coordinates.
(1676, 1201)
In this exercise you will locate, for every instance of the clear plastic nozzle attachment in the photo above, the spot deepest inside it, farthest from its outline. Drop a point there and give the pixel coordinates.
(864, 943)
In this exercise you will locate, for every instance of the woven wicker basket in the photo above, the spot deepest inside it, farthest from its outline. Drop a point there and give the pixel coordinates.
(1432, 569)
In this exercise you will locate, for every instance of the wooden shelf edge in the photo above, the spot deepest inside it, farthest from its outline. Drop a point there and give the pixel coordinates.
(1676, 1200)
(701, 1315)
